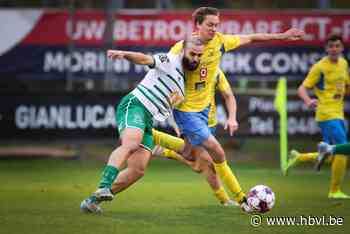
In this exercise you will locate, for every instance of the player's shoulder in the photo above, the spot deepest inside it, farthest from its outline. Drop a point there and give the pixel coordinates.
(223, 37)
(216, 41)
(219, 37)
(167, 62)
(167, 57)
(326, 62)
(163, 57)
(343, 61)
(321, 62)
(177, 48)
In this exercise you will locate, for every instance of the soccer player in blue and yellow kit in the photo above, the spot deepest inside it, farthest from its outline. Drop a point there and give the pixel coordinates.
(329, 79)
(192, 115)
(172, 147)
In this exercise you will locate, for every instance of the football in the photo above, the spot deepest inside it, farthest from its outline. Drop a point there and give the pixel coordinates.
(261, 198)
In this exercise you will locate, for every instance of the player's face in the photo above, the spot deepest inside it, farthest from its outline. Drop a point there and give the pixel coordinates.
(192, 57)
(334, 49)
(208, 27)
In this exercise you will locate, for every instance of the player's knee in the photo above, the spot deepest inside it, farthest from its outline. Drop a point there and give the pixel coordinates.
(139, 172)
(130, 147)
(210, 166)
(214, 145)
(206, 167)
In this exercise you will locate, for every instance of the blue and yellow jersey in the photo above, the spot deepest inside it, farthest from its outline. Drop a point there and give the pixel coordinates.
(221, 84)
(199, 81)
(329, 81)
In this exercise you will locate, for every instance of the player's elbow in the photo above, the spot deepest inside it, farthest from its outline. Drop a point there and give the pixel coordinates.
(227, 94)
(147, 60)
(229, 99)
(301, 91)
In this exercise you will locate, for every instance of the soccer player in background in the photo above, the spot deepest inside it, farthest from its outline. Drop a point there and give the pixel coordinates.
(192, 115)
(329, 79)
(154, 97)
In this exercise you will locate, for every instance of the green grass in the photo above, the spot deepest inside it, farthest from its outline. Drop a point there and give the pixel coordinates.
(43, 196)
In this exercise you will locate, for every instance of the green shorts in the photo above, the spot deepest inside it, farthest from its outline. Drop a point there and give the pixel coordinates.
(131, 113)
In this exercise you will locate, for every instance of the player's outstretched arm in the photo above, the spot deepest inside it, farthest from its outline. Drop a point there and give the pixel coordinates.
(290, 35)
(135, 57)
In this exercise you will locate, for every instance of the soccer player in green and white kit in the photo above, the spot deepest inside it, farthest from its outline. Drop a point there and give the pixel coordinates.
(155, 96)
(326, 150)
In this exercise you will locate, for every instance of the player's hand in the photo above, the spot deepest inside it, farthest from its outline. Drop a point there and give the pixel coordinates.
(293, 34)
(312, 103)
(231, 125)
(115, 54)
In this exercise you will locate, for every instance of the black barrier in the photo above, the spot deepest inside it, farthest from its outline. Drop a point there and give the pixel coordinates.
(58, 117)
(91, 117)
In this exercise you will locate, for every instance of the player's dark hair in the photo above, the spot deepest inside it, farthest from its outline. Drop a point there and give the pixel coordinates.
(200, 13)
(334, 37)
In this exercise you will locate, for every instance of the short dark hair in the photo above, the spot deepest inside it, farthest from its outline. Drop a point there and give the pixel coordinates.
(334, 37)
(200, 13)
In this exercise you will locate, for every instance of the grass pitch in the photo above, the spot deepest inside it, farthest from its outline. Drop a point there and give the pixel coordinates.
(43, 196)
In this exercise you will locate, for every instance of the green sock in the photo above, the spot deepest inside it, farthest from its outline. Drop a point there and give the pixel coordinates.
(108, 176)
(341, 149)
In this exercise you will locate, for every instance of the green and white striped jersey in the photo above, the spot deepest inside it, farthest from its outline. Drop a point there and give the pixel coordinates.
(163, 87)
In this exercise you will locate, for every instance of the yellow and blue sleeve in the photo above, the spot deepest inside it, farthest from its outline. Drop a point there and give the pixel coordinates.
(312, 77)
(230, 41)
(222, 84)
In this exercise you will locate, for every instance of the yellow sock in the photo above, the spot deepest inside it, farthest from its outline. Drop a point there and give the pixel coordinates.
(170, 154)
(167, 153)
(221, 195)
(307, 157)
(338, 172)
(230, 180)
(168, 141)
(311, 157)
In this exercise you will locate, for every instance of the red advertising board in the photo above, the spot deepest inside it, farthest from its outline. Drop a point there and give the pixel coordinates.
(50, 44)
